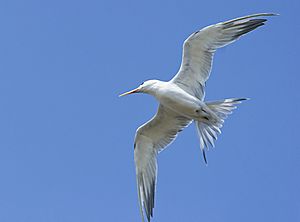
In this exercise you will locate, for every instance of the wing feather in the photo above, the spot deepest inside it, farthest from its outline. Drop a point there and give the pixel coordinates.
(150, 139)
(199, 48)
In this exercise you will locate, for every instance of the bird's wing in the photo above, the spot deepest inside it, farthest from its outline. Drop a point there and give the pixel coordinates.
(199, 48)
(151, 138)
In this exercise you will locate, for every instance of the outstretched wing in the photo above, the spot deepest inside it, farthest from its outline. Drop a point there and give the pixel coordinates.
(151, 138)
(199, 48)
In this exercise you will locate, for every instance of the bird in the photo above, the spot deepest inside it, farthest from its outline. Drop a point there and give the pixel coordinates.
(181, 102)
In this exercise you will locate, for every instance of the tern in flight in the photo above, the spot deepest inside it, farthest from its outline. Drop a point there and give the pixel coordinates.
(181, 101)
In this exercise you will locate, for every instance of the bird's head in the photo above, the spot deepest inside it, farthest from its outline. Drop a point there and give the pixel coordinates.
(148, 86)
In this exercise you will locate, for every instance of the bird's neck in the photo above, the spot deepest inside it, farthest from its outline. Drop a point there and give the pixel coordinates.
(153, 90)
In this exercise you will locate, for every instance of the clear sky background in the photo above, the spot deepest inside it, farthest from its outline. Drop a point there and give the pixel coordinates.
(66, 144)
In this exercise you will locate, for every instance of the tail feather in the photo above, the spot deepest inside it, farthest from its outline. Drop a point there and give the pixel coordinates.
(208, 131)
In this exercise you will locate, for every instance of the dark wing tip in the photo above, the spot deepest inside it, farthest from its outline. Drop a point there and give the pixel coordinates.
(148, 196)
(249, 17)
(249, 26)
(240, 99)
(204, 156)
(270, 14)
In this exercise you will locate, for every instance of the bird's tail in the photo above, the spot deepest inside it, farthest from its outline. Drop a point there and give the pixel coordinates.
(209, 130)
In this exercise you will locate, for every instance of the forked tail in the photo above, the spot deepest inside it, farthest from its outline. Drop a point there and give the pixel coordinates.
(208, 131)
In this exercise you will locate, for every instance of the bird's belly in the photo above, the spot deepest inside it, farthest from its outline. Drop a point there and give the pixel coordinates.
(185, 105)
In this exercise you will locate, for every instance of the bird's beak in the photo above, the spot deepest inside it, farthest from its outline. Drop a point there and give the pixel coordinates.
(130, 92)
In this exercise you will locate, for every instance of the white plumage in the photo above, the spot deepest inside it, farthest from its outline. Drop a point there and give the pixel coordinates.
(181, 102)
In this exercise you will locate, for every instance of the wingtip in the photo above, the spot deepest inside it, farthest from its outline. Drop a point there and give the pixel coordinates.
(244, 99)
(265, 14)
(251, 16)
(204, 157)
(269, 14)
(273, 14)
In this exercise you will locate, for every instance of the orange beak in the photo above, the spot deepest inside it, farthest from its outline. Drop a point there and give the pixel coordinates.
(130, 92)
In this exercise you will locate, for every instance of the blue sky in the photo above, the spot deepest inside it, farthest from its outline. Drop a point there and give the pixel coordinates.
(66, 147)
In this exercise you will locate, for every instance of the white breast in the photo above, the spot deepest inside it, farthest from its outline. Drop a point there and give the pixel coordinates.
(178, 100)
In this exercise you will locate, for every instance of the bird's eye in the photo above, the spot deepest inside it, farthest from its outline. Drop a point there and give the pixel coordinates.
(142, 83)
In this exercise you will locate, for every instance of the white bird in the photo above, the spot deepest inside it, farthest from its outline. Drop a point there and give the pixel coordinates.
(181, 102)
